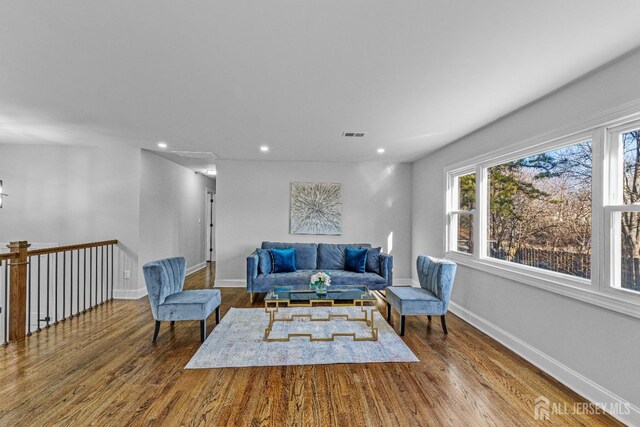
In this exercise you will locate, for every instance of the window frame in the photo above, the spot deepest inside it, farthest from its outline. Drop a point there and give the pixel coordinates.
(480, 254)
(600, 289)
(453, 213)
(613, 207)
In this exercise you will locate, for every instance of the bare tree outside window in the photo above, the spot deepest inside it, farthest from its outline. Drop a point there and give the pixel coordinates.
(630, 221)
(539, 210)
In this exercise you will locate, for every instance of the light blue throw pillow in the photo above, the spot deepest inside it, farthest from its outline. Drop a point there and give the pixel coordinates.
(373, 260)
(264, 261)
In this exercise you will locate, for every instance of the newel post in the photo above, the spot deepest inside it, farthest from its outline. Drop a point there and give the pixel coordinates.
(18, 291)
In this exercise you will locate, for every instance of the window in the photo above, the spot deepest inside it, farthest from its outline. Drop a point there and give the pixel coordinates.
(560, 212)
(625, 208)
(539, 210)
(462, 211)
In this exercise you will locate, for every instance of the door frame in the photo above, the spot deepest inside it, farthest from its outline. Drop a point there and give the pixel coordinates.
(210, 225)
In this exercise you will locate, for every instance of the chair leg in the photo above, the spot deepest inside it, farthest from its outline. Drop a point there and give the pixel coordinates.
(203, 330)
(389, 313)
(444, 324)
(402, 325)
(156, 330)
(429, 317)
(217, 315)
(251, 297)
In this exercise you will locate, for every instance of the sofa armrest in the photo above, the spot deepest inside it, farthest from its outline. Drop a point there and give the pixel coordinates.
(386, 268)
(252, 269)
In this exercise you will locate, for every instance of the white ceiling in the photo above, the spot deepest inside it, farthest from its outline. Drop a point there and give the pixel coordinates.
(229, 76)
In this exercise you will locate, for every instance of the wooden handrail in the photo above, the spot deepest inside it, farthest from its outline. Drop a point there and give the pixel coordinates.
(9, 256)
(71, 247)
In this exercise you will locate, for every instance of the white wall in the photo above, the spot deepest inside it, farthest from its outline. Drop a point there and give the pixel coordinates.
(72, 194)
(252, 205)
(600, 345)
(172, 211)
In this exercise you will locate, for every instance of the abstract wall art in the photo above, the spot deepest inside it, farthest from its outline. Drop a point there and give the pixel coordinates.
(316, 208)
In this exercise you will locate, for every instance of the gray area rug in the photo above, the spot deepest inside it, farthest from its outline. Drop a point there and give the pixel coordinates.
(238, 341)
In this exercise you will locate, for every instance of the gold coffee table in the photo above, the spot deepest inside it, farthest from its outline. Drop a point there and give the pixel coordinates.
(336, 296)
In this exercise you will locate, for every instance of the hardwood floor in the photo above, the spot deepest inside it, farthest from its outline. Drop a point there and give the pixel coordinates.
(102, 369)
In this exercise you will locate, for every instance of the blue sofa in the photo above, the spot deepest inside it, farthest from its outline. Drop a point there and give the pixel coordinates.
(314, 257)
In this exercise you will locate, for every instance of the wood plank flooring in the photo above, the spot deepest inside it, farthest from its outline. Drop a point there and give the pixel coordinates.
(102, 369)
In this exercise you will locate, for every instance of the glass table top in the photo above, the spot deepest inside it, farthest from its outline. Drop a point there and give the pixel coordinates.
(334, 293)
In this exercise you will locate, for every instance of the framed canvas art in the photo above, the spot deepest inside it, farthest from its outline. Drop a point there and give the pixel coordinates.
(316, 208)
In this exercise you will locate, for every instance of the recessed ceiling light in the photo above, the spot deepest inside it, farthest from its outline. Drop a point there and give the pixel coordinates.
(264, 148)
(162, 144)
(380, 150)
(211, 172)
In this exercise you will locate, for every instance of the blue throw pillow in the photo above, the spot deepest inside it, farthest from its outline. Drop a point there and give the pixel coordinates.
(283, 260)
(355, 259)
(264, 261)
(373, 260)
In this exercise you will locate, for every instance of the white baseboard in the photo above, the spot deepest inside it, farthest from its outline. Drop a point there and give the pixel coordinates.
(405, 282)
(196, 267)
(129, 293)
(230, 283)
(567, 376)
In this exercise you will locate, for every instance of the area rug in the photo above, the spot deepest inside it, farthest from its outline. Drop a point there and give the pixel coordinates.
(238, 341)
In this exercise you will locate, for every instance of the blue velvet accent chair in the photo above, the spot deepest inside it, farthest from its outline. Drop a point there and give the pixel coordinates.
(431, 298)
(165, 280)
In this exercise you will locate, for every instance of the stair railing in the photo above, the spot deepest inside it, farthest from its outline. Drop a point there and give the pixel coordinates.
(41, 287)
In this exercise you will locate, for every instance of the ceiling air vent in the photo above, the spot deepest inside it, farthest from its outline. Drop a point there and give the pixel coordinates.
(353, 134)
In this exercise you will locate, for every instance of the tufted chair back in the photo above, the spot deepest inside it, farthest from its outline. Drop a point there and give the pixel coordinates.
(163, 278)
(436, 275)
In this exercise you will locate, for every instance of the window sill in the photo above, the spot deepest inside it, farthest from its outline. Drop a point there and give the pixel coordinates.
(576, 288)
